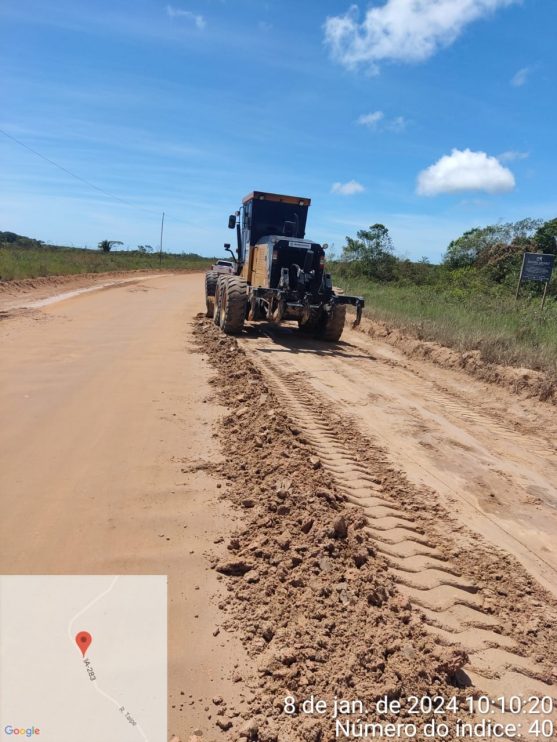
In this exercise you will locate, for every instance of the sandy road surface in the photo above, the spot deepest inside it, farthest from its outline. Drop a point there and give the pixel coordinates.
(107, 412)
(102, 409)
(491, 457)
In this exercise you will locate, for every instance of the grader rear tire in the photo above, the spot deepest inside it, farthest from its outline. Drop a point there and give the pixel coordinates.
(221, 277)
(334, 324)
(210, 289)
(233, 305)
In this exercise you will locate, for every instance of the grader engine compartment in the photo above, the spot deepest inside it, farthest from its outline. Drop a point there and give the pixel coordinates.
(280, 275)
(293, 256)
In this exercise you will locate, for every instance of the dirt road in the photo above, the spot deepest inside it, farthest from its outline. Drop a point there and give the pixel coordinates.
(104, 420)
(108, 411)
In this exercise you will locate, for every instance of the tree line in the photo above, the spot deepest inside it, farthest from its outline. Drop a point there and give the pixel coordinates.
(495, 250)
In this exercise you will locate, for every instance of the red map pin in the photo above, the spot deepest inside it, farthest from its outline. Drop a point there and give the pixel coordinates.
(83, 640)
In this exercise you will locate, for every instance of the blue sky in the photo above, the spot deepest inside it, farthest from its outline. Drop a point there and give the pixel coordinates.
(430, 116)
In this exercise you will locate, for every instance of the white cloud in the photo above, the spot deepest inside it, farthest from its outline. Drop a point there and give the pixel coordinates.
(401, 30)
(376, 120)
(464, 170)
(347, 189)
(195, 18)
(511, 154)
(370, 119)
(520, 78)
(396, 124)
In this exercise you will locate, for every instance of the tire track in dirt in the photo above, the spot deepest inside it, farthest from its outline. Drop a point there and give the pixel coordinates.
(464, 592)
(502, 483)
(453, 606)
(502, 430)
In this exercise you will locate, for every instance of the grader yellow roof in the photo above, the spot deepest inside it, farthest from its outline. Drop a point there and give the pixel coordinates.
(263, 196)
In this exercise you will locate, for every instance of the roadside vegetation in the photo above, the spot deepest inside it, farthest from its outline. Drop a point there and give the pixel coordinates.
(24, 257)
(468, 302)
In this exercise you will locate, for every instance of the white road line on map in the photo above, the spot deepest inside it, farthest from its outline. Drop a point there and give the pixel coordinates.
(71, 637)
(92, 603)
(119, 706)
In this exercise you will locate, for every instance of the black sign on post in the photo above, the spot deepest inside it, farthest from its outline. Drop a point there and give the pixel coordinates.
(536, 267)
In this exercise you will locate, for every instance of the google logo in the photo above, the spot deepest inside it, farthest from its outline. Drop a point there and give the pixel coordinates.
(29, 732)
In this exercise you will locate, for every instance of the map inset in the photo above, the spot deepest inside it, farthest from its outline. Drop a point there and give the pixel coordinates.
(83, 658)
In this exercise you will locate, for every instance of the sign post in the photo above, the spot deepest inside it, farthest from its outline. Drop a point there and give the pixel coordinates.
(520, 277)
(536, 267)
(160, 246)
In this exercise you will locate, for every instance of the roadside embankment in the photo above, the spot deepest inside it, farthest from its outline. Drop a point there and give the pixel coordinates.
(519, 380)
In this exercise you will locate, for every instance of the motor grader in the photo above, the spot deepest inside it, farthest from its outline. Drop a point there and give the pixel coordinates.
(279, 274)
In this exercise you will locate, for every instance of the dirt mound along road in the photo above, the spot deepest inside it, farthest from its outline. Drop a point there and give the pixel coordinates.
(347, 580)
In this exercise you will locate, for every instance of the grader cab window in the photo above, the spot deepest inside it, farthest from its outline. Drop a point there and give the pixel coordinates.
(277, 218)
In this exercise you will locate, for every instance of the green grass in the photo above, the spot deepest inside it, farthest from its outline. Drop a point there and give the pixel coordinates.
(476, 317)
(30, 262)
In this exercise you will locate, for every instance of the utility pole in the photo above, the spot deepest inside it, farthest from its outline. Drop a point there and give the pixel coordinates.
(160, 248)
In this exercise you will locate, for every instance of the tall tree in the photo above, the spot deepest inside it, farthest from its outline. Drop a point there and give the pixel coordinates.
(471, 246)
(373, 250)
(106, 245)
(546, 236)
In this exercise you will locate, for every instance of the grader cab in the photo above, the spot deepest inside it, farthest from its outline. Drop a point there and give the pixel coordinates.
(280, 275)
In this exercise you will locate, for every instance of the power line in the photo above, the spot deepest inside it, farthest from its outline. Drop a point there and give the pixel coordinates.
(73, 175)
